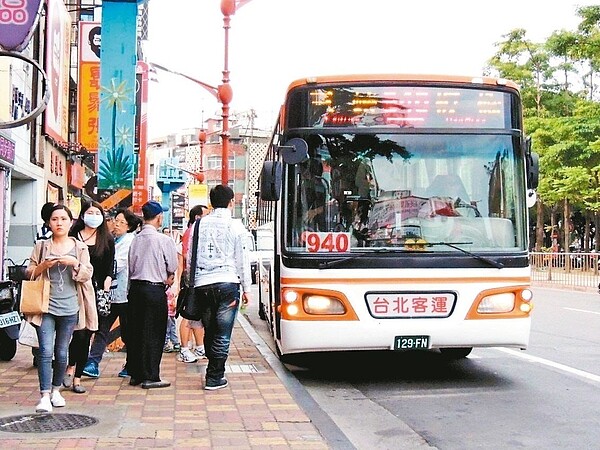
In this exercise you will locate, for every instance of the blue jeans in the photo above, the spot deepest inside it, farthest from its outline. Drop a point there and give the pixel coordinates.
(172, 331)
(219, 305)
(103, 336)
(54, 335)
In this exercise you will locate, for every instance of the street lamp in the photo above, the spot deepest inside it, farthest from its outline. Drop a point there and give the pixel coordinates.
(201, 141)
(225, 93)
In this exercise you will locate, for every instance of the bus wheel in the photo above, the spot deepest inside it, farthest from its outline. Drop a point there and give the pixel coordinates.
(456, 353)
(261, 310)
(285, 359)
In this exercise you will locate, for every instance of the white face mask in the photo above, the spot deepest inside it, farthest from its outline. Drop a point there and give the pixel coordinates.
(93, 220)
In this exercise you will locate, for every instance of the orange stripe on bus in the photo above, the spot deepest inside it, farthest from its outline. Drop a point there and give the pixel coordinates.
(469, 280)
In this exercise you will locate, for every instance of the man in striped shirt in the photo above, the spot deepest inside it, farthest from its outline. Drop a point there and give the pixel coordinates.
(152, 267)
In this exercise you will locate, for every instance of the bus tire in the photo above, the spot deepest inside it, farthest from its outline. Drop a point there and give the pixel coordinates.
(285, 359)
(261, 311)
(456, 353)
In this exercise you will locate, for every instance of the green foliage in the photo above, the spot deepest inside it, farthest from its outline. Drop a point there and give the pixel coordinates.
(558, 80)
(116, 171)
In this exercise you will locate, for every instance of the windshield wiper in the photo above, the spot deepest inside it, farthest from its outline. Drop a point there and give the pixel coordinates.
(336, 262)
(455, 245)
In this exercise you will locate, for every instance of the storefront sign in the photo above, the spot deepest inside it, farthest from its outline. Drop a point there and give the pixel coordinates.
(76, 174)
(57, 68)
(18, 20)
(89, 84)
(7, 150)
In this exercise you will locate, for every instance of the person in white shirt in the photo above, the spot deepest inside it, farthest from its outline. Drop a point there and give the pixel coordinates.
(223, 265)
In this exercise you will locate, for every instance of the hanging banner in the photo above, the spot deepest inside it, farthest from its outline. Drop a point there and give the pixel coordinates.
(58, 45)
(18, 20)
(118, 58)
(88, 104)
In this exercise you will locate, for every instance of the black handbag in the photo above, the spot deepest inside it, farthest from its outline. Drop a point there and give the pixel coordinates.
(188, 305)
(103, 302)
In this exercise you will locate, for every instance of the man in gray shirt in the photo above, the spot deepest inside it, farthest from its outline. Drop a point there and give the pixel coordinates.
(152, 266)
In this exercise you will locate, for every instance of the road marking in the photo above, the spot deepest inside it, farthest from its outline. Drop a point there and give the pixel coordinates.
(555, 365)
(582, 310)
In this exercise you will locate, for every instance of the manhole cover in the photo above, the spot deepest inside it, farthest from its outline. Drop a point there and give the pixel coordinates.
(45, 423)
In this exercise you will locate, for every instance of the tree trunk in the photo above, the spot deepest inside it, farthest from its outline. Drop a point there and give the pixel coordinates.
(566, 231)
(596, 231)
(566, 227)
(539, 226)
(586, 232)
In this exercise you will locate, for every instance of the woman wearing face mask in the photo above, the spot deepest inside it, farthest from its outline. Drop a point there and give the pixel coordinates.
(125, 223)
(90, 228)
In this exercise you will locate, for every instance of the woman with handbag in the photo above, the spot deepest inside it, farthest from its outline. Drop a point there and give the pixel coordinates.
(90, 228)
(125, 223)
(66, 302)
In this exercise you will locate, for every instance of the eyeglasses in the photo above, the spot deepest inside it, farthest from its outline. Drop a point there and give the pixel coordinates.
(120, 222)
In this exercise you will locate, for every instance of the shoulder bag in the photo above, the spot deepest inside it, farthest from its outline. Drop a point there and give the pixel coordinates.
(188, 305)
(28, 335)
(33, 300)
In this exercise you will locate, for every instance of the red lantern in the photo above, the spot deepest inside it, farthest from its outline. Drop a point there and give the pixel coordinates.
(228, 7)
(225, 93)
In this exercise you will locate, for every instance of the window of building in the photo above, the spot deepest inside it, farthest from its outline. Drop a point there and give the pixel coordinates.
(214, 162)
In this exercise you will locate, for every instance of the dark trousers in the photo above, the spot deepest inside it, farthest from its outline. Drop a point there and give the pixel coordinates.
(147, 326)
(219, 305)
(101, 338)
(79, 349)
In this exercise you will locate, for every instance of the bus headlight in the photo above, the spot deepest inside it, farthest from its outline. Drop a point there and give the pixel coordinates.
(497, 303)
(320, 304)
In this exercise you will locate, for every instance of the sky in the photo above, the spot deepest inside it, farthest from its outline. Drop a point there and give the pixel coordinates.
(274, 42)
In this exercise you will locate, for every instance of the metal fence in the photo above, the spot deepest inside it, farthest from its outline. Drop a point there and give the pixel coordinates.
(577, 270)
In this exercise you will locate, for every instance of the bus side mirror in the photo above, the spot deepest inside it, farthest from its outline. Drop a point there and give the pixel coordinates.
(270, 181)
(294, 151)
(533, 170)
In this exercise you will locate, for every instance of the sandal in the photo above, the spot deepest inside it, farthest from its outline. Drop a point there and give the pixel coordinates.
(78, 389)
(68, 380)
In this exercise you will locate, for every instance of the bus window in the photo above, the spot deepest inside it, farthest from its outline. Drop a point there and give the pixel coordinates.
(396, 187)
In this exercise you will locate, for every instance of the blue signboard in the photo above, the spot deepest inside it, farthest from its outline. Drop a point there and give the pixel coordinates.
(118, 59)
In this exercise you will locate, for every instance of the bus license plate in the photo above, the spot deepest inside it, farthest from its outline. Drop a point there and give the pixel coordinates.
(411, 342)
(12, 318)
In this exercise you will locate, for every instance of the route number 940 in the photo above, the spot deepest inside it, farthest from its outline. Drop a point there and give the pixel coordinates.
(327, 242)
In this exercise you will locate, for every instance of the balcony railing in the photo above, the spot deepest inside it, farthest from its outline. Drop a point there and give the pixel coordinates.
(577, 270)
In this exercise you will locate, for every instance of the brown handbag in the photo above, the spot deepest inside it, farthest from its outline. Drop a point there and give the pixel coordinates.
(32, 297)
(33, 300)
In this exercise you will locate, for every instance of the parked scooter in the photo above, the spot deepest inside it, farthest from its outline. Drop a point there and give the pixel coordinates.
(10, 321)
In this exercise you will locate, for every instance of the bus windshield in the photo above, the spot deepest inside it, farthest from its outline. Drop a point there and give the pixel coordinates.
(407, 192)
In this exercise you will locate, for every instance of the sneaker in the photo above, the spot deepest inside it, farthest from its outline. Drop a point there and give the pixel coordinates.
(186, 356)
(123, 373)
(199, 352)
(168, 349)
(91, 370)
(214, 385)
(57, 399)
(44, 406)
(176, 347)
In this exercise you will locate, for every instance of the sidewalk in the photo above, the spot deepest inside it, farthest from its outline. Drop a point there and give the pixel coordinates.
(255, 411)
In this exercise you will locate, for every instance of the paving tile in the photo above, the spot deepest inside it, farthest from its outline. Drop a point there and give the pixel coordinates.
(255, 412)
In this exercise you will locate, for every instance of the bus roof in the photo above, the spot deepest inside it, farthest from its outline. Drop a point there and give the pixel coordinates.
(366, 78)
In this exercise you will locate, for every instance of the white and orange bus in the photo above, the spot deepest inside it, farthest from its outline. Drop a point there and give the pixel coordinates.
(399, 210)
